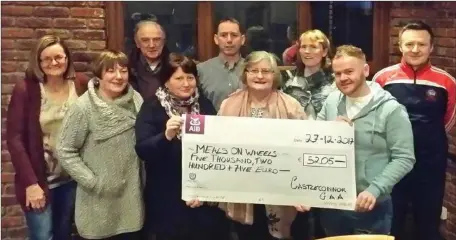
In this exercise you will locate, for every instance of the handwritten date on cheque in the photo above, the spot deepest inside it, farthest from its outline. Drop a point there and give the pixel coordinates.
(325, 139)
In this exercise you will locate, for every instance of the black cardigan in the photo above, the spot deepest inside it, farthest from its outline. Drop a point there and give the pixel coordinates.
(166, 211)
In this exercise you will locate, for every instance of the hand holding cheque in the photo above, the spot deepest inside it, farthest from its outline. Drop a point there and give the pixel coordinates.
(269, 161)
(173, 126)
(365, 200)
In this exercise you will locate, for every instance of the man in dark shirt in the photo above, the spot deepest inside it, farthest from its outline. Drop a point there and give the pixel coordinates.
(146, 58)
(429, 94)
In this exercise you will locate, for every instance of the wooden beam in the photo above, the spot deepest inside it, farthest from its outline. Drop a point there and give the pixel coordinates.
(304, 14)
(381, 38)
(205, 31)
(114, 21)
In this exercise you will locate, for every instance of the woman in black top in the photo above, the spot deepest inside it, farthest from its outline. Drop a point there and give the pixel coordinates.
(158, 143)
(310, 84)
(312, 80)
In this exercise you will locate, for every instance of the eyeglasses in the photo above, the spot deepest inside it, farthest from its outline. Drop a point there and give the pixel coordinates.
(262, 71)
(48, 60)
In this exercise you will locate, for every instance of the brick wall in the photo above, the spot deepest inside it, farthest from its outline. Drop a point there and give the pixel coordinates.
(442, 18)
(83, 25)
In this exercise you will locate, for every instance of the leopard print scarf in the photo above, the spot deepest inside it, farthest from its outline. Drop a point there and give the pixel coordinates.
(175, 106)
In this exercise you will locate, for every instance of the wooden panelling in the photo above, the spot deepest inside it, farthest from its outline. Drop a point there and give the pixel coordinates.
(205, 31)
(381, 36)
(115, 25)
(304, 17)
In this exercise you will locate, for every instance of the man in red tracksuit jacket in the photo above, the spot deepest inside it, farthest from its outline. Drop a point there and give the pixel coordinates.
(429, 94)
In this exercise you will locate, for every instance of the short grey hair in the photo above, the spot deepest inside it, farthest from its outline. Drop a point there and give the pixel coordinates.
(258, 56)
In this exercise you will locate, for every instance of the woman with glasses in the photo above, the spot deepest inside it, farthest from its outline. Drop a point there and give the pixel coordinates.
(261, 99)
(310, 84)
(35, 113)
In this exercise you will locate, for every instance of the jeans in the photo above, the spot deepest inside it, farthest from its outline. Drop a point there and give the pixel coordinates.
(56, 220)
(377, 221)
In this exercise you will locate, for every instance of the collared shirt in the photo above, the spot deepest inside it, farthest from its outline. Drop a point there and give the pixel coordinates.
(145, 80)
(147, 65)
(218, 79)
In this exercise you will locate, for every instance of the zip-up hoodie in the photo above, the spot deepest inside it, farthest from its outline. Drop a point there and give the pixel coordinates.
(384, 150)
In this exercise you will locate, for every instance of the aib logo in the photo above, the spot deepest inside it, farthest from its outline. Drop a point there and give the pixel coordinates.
(194, 124)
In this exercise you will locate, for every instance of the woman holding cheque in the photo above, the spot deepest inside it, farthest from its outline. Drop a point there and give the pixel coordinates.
(260, 98)
(158, 143)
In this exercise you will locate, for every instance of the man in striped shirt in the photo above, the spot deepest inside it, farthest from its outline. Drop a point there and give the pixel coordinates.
(429, 94)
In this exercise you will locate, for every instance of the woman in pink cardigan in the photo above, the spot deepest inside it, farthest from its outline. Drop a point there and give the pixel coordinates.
(261, 99)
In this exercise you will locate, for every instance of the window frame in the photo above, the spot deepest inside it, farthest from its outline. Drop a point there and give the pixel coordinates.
(205, 30)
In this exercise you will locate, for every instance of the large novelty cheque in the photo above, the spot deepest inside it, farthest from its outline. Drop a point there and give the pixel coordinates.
(268, 161)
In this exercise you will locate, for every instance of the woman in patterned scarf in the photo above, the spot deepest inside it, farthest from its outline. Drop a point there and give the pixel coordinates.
(310, 84)
(158, 143)
(312, 80)
(260, 98)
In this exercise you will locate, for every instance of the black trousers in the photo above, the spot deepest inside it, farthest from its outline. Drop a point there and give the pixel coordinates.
(189, 231)
(307, 226)
(304, 227)
(189, 236)
(258, 230)
(424, 191)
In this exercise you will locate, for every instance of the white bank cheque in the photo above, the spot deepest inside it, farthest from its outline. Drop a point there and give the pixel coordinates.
(268, 161)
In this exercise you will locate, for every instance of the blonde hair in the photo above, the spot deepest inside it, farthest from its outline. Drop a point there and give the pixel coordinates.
(34, 70)
(108, 59)
(318, 36)
(351, 51)
(258, 56)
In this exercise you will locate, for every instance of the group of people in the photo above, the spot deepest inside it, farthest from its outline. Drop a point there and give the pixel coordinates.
(106, 151)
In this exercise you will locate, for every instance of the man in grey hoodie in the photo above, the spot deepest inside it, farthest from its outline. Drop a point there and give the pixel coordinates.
(384, 151)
